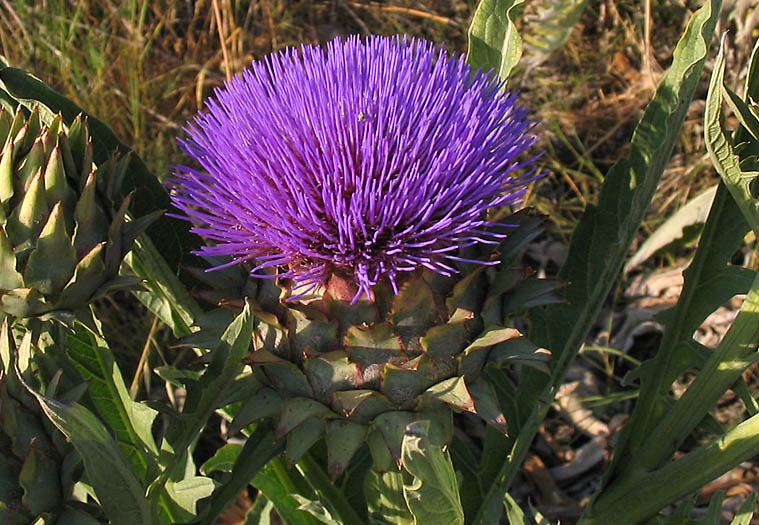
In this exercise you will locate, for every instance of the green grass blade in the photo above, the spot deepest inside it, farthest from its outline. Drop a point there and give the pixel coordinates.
(746, 511)
(494, 42)
(603, 237)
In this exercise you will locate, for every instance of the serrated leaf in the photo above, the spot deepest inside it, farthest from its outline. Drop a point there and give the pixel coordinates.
(433, 495)
(722, 151)
(494, 42)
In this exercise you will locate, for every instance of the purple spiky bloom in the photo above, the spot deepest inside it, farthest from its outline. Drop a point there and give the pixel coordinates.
(373, 157)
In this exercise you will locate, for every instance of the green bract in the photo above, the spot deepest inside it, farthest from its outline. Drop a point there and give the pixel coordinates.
(63, 232)
(360, 373)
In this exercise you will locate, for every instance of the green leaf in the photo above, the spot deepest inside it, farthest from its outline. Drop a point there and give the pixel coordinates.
(186, 493)
(316, 509)
(433, 495)
(714, 512)
(277, 484)
(250, 459)
(260, 513)
(550, 27)
(602, 240)
(494, 42)
(223, 459)
(466, 466)
(741, 110)
(205, 396)
(108, 471)
(722, 151)
(514, 513)
(329, 494)
(166, 295)
(130, 421)
(746, 511)
(673, 229)
(384, 498)
(40, 479)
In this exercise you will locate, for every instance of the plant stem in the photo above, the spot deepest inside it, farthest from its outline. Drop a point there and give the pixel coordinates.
(642, 495)
(326, 490)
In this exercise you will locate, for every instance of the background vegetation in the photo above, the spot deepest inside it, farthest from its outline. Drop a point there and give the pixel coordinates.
(145, 68)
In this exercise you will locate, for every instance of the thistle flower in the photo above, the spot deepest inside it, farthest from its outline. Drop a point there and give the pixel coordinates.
(370, 159)
(354, 167)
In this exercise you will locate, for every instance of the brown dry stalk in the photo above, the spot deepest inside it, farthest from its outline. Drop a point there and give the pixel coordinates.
(405, 11)
(222, 40)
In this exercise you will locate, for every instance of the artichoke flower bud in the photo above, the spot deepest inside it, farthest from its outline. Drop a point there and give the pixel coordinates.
(63, 227)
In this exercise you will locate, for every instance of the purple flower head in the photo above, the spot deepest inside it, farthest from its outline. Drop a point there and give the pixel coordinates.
(371, 158)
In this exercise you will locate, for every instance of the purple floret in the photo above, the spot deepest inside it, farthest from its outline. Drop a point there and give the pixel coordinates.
(372, 158)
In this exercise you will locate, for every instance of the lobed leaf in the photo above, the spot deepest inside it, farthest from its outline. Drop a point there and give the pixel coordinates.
(433, 495)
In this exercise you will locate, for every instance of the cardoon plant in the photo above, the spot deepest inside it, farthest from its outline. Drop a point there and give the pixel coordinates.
(357, 180)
